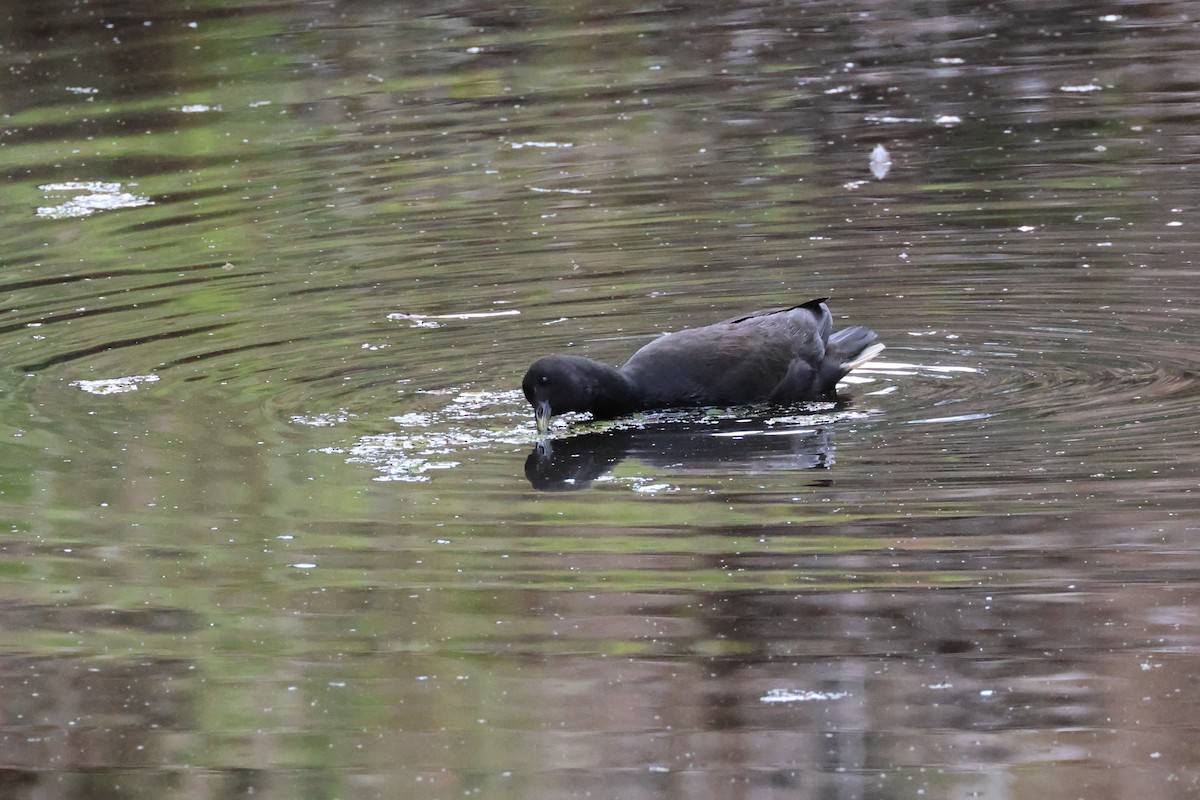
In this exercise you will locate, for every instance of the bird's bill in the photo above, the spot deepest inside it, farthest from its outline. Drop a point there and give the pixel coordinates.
(541, 415)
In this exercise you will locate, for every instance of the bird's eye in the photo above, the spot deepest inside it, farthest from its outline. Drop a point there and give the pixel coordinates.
(544, 379)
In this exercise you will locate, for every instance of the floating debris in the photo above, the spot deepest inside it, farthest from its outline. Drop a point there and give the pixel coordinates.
(89, 197)
(431, 320)
(428, 441)
(542, 145)
(115, 385)
(942, 420)
(323, 420)
(881, 162)
(801, 696)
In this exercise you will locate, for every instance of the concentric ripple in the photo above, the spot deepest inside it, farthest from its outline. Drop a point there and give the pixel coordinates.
(1045, 413)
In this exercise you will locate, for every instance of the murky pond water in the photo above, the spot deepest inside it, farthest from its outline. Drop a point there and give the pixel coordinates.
(278, 519)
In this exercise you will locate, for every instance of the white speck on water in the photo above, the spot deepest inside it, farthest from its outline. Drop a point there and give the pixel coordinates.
(198, 108)
(323, 420)
(948, 119)
(89, 197)
(655, 488)
(304, 565)
(544, 145)
(938, 420)
(1084, 87)
(799, 696)
(428, 320)
(114, 385)
(881, 162)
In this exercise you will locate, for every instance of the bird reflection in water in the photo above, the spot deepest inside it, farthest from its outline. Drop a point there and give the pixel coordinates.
(745, 446)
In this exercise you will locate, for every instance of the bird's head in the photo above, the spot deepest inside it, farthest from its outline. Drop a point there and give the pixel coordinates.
(558, 384)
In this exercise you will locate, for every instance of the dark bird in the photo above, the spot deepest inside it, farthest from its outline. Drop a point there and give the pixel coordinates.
(782, 355)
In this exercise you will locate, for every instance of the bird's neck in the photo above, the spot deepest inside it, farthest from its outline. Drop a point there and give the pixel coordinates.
(612, 393)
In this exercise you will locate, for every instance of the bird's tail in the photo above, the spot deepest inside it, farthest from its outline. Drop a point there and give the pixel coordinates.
(849, 349)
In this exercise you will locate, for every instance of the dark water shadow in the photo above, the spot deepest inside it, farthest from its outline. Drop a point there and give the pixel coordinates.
(741, 445)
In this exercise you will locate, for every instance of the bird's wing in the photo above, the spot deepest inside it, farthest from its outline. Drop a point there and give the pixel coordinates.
(729, 363)
(815, 307)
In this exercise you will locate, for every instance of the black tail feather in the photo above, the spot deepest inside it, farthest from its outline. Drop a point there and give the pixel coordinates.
(847, 349)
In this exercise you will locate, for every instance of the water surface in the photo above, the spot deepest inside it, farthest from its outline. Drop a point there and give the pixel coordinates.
(278, 519)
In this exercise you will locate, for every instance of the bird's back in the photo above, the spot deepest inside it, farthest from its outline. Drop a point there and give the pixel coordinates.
(774, 355)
